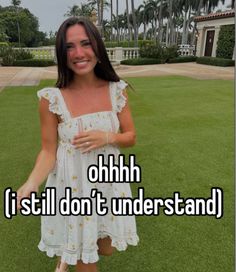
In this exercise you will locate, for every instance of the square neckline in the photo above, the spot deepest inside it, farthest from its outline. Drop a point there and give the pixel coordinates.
(86, 114)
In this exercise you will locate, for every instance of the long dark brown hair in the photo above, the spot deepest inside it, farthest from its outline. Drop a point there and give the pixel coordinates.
(103, 68)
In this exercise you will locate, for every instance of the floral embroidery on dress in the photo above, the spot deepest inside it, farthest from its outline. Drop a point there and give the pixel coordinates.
(51, 95)
(120, 98)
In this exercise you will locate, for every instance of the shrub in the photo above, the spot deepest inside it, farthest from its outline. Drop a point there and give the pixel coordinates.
(3, 44)
(22, 54)
(215, 61)
(154, 51)
(3, 47)
(16, 44)
(34, 63)
(171, 52)
(8, 56)
(157, 51)
(127, 43)
(225, 44)
(141, 61)
(182, 59)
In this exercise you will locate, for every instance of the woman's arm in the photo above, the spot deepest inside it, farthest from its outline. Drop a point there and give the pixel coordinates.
(127, 137)
(93, 139)
(47, 156)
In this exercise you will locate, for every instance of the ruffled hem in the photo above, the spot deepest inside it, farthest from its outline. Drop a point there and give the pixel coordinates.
(68, 256)
(87, 256)
(120, 98)
(51, 96)
(120, 244)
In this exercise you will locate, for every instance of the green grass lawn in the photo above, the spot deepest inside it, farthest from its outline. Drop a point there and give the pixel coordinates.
(185, 143)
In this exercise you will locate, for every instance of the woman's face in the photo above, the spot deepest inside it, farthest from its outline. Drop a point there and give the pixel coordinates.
(81, 58)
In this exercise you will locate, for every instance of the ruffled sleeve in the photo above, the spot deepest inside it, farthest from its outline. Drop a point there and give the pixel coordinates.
(51, 95)
(120, 99)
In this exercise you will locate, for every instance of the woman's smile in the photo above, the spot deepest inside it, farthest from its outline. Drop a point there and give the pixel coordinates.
(81, 63)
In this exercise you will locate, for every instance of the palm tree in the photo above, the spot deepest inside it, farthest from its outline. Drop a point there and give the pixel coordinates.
(160, 20)
(145, 16)
(213, 4)
(153, 8)
(163, 14)
(99, 6)
(134, 24)
(170, 21)
(111, 16)
(122, 18)
(82, 10)
(185, 5)
(107, 29)
(178, 22)
(128, 22)
(117, 21)
(16, 4)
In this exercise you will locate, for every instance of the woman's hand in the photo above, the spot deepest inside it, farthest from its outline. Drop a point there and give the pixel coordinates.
(24, 191)
(90, 140)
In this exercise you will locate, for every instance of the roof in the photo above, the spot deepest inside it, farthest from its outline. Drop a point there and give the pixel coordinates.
(214, 16)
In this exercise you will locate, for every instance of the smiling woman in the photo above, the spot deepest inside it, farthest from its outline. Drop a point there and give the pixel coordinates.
(85, 116)
(81, 57)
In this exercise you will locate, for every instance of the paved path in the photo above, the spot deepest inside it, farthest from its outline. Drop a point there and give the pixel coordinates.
(28, 76)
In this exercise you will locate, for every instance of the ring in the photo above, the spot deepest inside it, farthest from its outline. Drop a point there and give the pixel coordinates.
(87, 143)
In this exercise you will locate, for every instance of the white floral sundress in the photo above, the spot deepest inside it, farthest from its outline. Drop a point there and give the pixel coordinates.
(75, 237)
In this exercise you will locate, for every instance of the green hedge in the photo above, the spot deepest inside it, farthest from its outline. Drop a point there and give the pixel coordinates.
(182, 59)
(215, 61)
(127, 44)
(22, 54)
(226, 41)
(154, 51)
(3, 44)
(141, 61)
(34, 63)
(9, 55)
(157, 51)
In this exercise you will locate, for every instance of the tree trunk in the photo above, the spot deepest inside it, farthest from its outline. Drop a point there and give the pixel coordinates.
(127, 14)
(16, 5)
(155, 29)
(99, 12)
(135, 24)
(101, 17)
(117, 22)
(177, 35)
(188, 24)
(200, 5)
(111, 23)
(144, 31)
(167, 33)
(161, 30)
(160, 20)
(184, 28)
(170, 22)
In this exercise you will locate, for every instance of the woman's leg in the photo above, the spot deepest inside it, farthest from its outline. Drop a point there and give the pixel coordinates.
(61, 267)
(82, 267)
(104, 247)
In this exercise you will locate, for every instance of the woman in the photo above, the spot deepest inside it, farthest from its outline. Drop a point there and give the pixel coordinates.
(87, 114)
